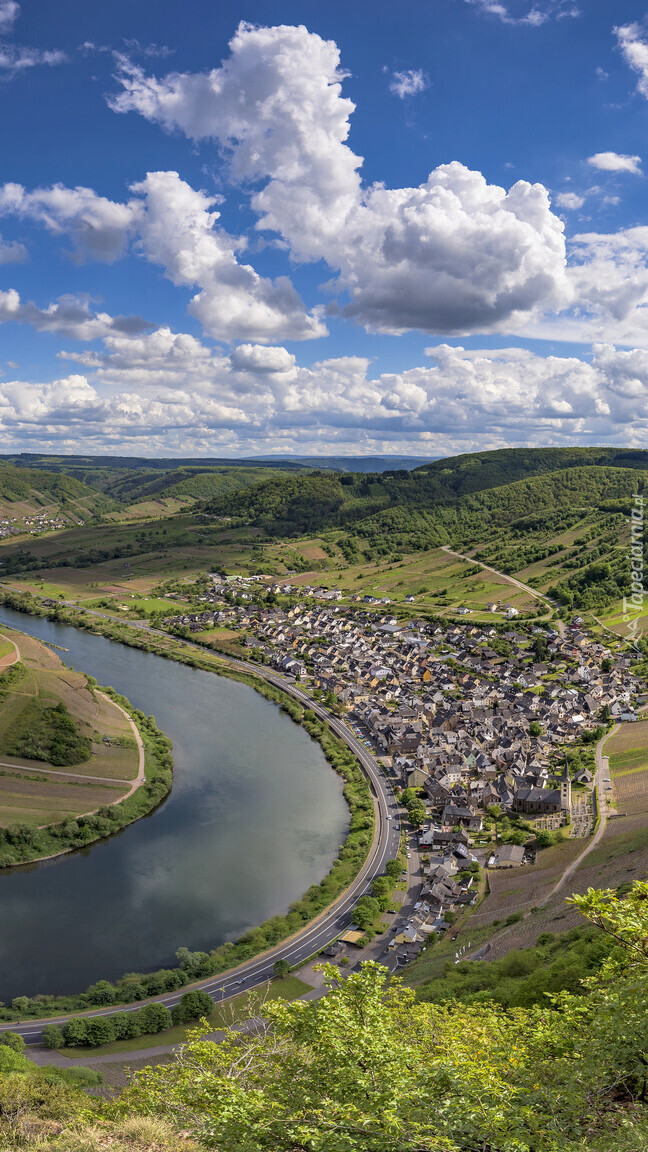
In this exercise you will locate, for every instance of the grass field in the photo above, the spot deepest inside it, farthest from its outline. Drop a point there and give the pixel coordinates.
(35, 791)
(437, 581)
(628, 748)
(232, 1011)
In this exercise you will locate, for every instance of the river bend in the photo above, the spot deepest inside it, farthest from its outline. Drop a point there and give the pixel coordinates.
(255, 817)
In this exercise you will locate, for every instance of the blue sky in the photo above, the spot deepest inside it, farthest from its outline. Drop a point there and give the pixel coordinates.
(295, 227)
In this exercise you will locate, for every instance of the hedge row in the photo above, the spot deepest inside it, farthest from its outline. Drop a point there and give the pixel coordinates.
(92, 1031)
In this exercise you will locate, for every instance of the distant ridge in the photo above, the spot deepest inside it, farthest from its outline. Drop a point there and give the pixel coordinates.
(64, 463)
(353, 463)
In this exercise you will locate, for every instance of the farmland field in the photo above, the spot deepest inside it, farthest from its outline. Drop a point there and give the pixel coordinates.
(102, 756)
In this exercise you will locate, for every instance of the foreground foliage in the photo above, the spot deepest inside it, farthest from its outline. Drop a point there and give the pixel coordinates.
(369, 1068)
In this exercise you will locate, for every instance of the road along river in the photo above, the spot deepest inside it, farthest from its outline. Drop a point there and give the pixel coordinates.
(255, 817)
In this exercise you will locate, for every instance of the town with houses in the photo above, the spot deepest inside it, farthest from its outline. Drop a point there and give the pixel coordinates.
(36, 524)
(477, 719)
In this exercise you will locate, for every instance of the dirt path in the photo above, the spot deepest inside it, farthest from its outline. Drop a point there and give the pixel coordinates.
(602, 776)
(502, 575)
(11, 657)
(35, 769)
(141, 768)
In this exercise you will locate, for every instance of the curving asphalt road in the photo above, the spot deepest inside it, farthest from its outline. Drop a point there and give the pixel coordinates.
(318, 933)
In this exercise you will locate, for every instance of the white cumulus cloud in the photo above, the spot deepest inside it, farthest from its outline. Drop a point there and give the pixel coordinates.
(176, 228)
(99, 228)
(454, 254)
(168, 387)
(179, 230)
(68, 316)
(615, 162)
(570, 201)
(634, 48)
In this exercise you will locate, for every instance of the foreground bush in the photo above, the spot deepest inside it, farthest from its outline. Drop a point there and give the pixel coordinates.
(367, 1067)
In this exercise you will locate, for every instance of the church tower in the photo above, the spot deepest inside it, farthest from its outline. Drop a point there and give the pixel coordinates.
(565, 789)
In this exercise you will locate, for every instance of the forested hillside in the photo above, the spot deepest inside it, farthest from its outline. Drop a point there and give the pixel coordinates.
(35, 489)
(513, 509)
(475, 471)
(131, 479)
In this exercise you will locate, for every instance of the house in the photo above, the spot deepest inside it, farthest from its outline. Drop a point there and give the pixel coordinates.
(506, 856)
(334, 949)
(353, 937)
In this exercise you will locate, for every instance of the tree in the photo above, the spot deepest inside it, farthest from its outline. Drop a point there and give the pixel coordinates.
(103, 992)
(366, 912)
(381, 886)
(99, 1030)
(540, 649)
(417, 813)
(12, 1040)
(126, 1025)
(75, 1032)
(535, 729)
(192, 1006)
(53, 1036)
(545, 839)
(281, 969)
(393, 869)
(154, 1018)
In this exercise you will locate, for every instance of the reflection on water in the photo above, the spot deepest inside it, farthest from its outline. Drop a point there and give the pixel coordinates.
(255, 817)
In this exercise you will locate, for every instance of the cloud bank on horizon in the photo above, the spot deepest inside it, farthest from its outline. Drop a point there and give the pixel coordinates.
(285, 242)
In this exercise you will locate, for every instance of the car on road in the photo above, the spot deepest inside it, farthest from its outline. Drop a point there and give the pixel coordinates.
(408, 854)
(390, 817)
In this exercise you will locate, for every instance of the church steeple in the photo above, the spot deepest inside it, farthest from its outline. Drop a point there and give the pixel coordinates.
(565, 789)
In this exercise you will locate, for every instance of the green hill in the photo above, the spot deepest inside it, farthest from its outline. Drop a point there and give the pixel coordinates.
(476, 471)
(558, 516)
(129, 479)
(26, 492)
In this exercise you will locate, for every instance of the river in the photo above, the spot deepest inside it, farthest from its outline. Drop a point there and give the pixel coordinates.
(255, 817)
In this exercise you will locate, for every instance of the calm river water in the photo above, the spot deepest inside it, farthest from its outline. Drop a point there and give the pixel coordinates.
(255, 817)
